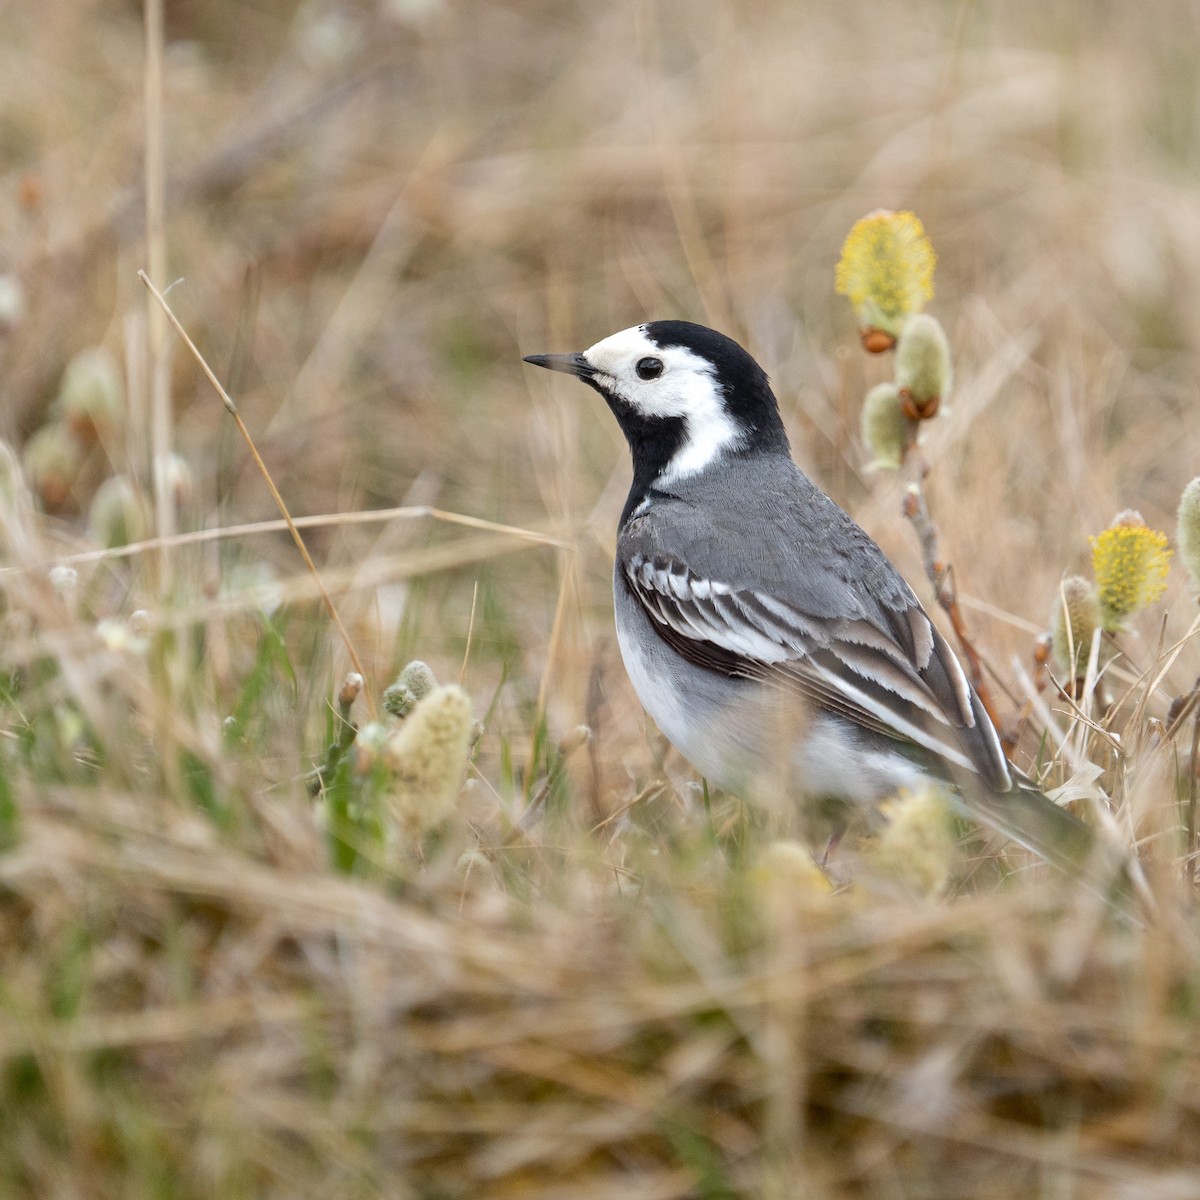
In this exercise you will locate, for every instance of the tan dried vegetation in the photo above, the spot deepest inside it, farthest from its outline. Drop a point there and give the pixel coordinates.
(586, 983)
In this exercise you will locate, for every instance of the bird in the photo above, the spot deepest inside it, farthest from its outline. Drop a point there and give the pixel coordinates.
(765, 632)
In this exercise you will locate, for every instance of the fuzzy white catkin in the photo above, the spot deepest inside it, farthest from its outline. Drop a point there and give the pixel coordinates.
(1074, 618)
(884, 427)
(923, 359)
(789, 886)
(916, 846)
(1187, 533)
(117, 515)
(414, 682)
(91, 396)
(428, 755)
(418, 678)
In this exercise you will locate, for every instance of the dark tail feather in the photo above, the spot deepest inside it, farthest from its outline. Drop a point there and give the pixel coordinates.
(1034, 821)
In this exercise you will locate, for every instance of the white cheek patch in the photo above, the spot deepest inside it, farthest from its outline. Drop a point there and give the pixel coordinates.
(686, 388)
(708, 435)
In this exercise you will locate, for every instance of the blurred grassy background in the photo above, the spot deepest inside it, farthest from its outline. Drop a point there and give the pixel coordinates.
(373, 210)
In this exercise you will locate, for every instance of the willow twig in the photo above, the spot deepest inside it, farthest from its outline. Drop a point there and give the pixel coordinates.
(941, 576)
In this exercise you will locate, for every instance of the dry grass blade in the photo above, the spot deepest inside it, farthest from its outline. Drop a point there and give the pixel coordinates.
(199, 537)
(162, 441)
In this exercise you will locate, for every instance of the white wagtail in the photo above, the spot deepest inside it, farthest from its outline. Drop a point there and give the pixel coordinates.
(768, 636)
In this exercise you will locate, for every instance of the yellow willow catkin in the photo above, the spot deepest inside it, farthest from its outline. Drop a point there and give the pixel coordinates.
(886, 269)
(1130, 563)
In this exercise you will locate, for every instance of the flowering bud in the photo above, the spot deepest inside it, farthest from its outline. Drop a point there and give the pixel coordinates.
(923, 366)
(428, 755)
(91, 398)
(876, 341)
(53, 458)
(916, 846)
(885, 428)
(414, 682)
(370, 743)
(790, 888)
(1074, 619)
(117, 516)
(1187, 533)
(791, 867)
(64, 580)
(351, 686)
(573, 739)
(886, 272)
(119, 637)
(418, 678)
(398, 700)
(1130, 564)
(178, 477)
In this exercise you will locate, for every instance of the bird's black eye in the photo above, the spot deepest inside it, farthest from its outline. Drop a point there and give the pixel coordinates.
(649, 368)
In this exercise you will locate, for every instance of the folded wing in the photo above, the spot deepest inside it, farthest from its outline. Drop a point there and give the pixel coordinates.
(895, 675)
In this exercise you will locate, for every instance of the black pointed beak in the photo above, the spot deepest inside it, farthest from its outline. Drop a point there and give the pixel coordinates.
(569, 364)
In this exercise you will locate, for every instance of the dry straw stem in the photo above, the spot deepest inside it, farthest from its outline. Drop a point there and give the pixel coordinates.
(372, 516)
(579, 1043)
(231, 408)
(162, 441)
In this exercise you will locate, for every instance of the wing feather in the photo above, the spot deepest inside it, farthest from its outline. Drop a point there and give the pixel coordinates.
(902, 681)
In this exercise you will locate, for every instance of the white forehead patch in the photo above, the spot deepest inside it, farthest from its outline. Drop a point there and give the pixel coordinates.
(686, 388)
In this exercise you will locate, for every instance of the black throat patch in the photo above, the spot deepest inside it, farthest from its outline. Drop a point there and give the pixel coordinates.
(653, 442)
